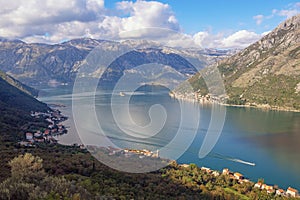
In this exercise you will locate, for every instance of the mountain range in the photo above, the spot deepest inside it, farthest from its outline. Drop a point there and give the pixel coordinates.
(265, 74)
(35, 64)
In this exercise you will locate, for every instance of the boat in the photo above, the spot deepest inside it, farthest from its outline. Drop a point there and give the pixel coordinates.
(122, 94)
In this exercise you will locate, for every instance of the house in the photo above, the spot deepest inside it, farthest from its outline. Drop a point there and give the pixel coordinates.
(226, 171)
(37, 134)
(206, 169)
(269, 187)
(238, 176)
(258, 185)
(280, 192)
(29, 136)
(216, 173)
(244, 180)
(292, 192)
(47, 132)
(184, 165)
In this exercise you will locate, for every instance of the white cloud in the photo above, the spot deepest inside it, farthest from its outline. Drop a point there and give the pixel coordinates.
(239, 39)
(54, 21)
(291, 10)
(259, 19)
(288, 13)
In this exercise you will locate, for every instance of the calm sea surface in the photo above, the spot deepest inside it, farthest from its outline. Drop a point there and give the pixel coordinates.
(268, 139)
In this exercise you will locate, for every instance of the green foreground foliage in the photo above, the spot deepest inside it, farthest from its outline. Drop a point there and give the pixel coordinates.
(66, 172)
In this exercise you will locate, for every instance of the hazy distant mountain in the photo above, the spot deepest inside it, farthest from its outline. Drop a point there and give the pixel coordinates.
(265, 73)
(16, 103)
(36, 63)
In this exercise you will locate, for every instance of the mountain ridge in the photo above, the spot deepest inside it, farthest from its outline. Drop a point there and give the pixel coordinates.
(267, 73)
(36, 63)
(15, 107)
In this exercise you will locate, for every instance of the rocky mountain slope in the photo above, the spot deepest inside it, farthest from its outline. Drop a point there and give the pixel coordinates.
(15, 107)
(36, 64)
(28, 90)
(267, 73)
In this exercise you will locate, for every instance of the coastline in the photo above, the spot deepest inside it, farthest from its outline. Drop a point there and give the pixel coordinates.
(144, 155)
(187, 99)
(207, 101)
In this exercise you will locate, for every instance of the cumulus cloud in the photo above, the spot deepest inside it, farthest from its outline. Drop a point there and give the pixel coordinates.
(142, 15)
(239, 39)
(53, 21)
(57, 20)
(22, 19)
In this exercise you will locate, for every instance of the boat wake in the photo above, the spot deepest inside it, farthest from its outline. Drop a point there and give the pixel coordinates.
(242, 161)
(232, 159)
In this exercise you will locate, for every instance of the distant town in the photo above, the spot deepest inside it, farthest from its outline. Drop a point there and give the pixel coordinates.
(125, 152)
(54, 118)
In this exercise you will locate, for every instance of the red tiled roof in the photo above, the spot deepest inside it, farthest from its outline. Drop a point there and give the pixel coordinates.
(292, 190)
(238, 174)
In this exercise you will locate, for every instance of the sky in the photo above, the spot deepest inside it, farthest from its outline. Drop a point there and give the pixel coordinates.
(198, 23)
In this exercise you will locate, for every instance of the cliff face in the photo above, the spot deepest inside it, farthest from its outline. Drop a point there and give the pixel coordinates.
(267, 72)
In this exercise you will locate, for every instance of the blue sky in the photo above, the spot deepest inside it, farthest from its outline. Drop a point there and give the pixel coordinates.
(226, 15)
(207, 24)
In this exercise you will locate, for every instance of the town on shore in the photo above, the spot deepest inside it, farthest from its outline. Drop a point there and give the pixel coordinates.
(196, 97)
(54, 119)
(290, 192)
(240, 178)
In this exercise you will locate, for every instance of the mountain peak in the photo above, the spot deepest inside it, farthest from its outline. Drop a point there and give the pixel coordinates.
(291, 22)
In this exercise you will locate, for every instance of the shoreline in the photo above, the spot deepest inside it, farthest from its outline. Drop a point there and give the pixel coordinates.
(203, 101)
(144, 154)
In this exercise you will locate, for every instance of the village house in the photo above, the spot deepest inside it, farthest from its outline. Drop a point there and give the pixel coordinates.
(258, 185)
(47, 132)
(184, 165)
(238, 176)
(29, 136)
(280, 192)
(226, 171)
(244, 180)
(292, 192)
(216, 173)
(38, 134)
(206, 169)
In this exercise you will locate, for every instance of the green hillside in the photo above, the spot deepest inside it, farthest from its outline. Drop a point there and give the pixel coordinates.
(267, 73)
(15, 108)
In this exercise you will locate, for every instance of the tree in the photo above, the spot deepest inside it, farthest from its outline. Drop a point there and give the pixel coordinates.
(29, 181)
(28, 168)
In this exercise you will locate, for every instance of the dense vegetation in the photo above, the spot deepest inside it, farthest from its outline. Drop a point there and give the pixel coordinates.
(15, 108)
(68, 172)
